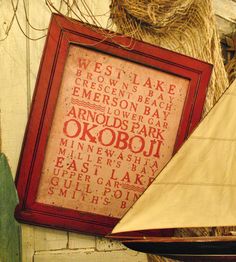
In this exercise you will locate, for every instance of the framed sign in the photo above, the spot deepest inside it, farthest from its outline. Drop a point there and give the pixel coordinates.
(105, 119)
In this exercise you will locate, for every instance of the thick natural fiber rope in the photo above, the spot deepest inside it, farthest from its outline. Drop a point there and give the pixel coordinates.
(185, 26)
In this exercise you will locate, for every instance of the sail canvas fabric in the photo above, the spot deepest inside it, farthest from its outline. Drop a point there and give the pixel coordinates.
(198, 186)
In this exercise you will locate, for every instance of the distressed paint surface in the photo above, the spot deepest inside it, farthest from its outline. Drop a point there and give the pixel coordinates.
(20, 60)
(89, 256)
(13, 88)
(9, 228)
(225, 16)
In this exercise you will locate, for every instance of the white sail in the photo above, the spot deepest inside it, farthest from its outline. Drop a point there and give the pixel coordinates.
(198, 186)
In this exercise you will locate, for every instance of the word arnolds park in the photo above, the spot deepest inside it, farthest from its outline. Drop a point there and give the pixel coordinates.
(114, 133)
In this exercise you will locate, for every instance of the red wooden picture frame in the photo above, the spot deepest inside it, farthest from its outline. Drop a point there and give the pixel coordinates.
(72, 88)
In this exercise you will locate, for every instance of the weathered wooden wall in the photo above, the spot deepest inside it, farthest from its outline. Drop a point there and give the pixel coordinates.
(20, 59)
(225, 15)
(19, 65)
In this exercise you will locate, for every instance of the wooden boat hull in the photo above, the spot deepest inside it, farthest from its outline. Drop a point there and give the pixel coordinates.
(204, 258)
(188, 251)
